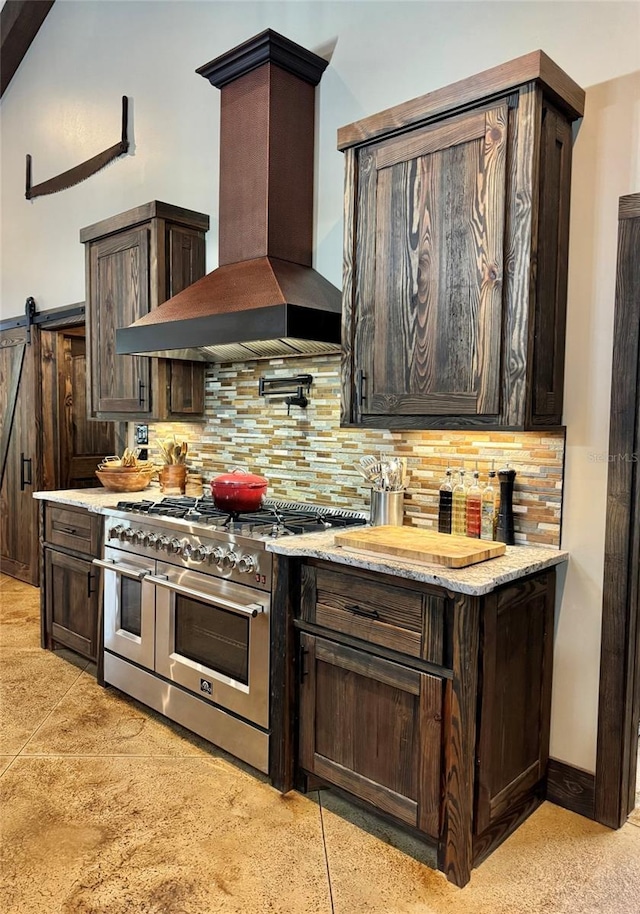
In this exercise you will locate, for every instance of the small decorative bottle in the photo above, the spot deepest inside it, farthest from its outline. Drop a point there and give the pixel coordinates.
(444, 504)
(474, 504)
(504, 532)
(488, 521)
(459, 521)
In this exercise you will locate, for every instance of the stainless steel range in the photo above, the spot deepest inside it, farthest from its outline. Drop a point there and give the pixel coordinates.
(187, 608)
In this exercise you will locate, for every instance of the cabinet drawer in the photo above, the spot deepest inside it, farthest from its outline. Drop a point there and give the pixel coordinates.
(73, 528)
(397, 618)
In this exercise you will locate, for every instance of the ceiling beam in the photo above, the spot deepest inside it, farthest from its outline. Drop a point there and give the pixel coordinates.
(19, 24)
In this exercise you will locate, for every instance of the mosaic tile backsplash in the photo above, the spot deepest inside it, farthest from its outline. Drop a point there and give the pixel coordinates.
(307, 457)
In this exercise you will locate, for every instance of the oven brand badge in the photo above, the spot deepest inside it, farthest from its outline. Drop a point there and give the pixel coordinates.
(206, 687)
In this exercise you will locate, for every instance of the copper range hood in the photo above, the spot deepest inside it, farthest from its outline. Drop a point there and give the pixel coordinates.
(265, 299)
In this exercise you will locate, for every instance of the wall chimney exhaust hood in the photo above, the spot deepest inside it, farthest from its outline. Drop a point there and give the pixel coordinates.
(265, 299)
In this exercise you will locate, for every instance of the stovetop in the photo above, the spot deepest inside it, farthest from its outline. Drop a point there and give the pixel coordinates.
(273, 519)
(194, 534)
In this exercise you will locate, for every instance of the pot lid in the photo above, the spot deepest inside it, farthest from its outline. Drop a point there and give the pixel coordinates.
(240, 478)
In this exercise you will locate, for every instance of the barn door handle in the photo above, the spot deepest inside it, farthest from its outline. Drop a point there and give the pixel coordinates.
(24, 480)
(141, 395)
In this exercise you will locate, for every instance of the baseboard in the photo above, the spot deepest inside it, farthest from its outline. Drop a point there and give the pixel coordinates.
(571, 788)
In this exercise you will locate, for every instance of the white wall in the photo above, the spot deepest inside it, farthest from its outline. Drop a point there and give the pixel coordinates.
(63, 106)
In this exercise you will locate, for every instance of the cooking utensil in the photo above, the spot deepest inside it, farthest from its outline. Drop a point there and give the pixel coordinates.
(238, 491)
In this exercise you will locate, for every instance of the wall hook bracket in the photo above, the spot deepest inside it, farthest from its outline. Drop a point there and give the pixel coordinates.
(293, 389)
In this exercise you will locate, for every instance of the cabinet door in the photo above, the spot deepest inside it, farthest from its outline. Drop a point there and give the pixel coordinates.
(185, 384)
(71, 602)
(372, 728)
(118, 295)
(428, 298)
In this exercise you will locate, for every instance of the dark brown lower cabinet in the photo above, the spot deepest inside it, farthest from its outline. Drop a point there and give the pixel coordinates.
(71, 605)
(69, 596)
(455, 748)
(372, 727)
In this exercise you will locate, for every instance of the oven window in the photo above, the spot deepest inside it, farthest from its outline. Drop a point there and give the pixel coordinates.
(131, 605)
(214, 637)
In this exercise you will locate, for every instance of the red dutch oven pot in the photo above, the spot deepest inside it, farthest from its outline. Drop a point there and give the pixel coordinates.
(238, 491)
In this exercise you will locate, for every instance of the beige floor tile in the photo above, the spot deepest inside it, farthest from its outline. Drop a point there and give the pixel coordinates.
(7, 584)
(555, 863)
(92, 720)
(31, 684)
(5, 761)
(156, 836)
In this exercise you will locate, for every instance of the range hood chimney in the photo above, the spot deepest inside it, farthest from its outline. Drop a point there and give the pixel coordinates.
(265, 299)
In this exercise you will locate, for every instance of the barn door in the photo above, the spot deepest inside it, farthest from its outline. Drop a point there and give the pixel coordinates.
(19, 463)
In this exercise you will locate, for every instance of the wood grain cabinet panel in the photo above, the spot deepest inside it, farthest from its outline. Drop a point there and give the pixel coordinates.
(71, 537)
(398, 618)
(455, 747)
(365, 725)
(20, 472)
(455, 263)
(71, 605)
(134, 262)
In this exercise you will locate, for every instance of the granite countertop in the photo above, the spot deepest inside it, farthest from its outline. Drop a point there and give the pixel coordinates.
(476, 580)
(98, 500)
(479, 579)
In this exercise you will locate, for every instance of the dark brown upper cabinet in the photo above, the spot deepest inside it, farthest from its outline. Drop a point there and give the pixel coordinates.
(455, 259)
(134, 262)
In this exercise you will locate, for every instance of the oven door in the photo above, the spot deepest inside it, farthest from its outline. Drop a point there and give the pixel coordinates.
(129, 611)
(212, 638)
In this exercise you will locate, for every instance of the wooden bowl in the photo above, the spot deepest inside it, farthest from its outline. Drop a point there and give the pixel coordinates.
(115, 481)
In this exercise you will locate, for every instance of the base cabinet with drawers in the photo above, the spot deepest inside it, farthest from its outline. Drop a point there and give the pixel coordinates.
(430, 707)
(72, 538)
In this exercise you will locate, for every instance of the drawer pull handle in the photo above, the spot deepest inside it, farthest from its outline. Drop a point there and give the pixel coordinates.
(358, 611)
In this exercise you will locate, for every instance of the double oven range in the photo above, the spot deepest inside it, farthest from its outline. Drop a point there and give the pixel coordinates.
(187, 593)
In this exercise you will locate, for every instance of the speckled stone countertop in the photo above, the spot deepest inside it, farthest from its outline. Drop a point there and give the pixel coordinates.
(482, 578)
(98, 500)
(476, 580)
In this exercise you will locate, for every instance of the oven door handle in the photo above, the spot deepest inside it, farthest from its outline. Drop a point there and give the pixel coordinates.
(247, 609)
(129, 571)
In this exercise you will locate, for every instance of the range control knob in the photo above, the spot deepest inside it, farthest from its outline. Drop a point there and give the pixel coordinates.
(187, 551)
(122, 534)
(129, 535)
(246, 564)
(174, 547)
(200, 553)
(229, 560)
(137, 537)
(149, 539)
(217, 555)
(162, 542)
(115, 532)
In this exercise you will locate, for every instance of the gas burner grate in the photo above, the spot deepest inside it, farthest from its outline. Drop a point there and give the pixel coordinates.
(273, 519)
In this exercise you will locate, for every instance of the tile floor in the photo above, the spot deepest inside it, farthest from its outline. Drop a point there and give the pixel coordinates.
(105, 808)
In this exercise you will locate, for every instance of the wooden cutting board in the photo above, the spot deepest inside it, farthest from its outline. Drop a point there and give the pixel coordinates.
(414, 545)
